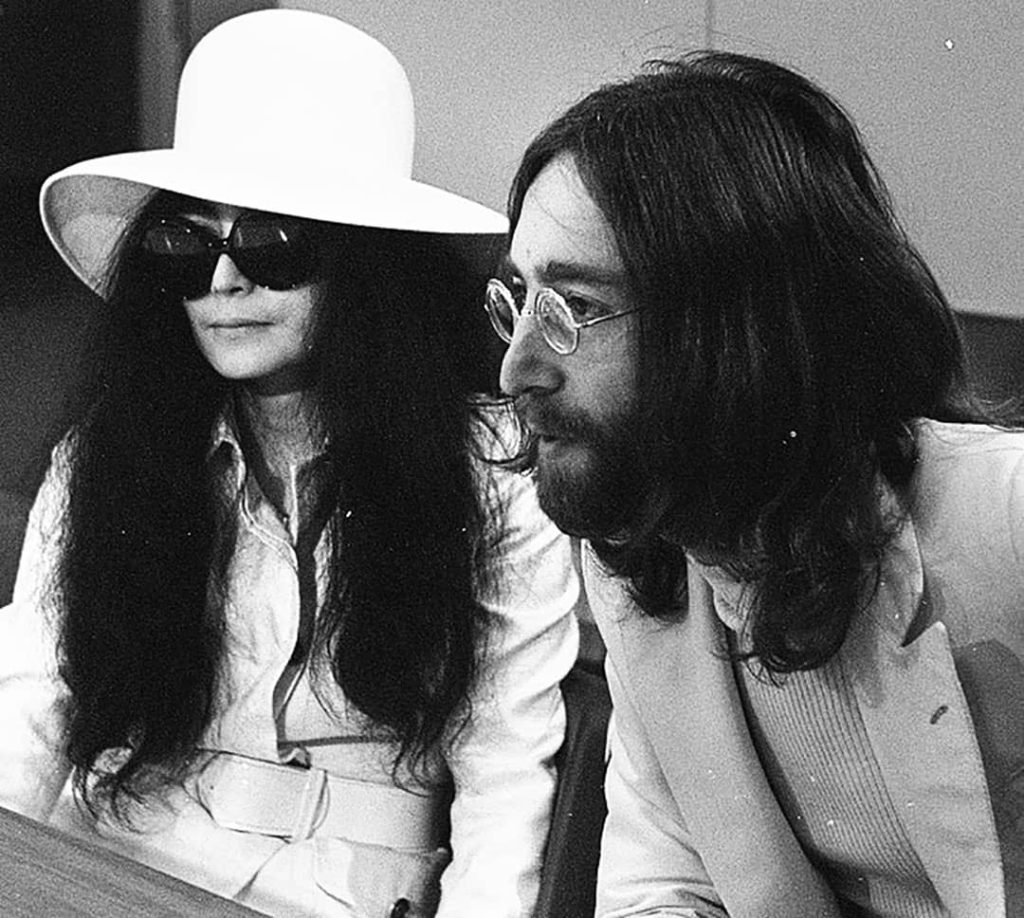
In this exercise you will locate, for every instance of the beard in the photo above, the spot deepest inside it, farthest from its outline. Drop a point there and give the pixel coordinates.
(587, 474)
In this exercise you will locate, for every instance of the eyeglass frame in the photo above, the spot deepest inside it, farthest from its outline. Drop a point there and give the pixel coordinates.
(214, 246)
(547, 294)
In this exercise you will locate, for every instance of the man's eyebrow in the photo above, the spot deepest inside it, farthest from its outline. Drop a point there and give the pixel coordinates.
(556, 271)
(599, 275)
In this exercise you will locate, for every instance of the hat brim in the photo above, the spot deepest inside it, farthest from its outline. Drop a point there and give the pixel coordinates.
(86, 207)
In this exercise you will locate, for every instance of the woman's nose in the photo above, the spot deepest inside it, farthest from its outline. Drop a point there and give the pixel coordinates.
(227, 278)
(529, 363)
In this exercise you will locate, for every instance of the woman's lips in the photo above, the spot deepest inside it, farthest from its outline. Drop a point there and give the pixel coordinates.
(237, 323)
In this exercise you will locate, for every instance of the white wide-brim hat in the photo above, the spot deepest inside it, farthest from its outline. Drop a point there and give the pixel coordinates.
(279, 110)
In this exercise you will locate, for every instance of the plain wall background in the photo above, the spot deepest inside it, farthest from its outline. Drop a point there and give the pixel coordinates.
(937, 87)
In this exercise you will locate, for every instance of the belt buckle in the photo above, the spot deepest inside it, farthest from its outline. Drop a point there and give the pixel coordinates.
(314, 802)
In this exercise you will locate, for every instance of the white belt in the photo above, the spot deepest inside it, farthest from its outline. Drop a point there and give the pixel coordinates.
(292, 802)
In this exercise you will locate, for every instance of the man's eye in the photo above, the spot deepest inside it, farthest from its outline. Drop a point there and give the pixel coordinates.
(583, 310)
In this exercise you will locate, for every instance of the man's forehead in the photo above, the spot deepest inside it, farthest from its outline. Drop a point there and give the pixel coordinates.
(561, 233)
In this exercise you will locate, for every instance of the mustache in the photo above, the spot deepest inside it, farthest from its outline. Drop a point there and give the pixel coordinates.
(542, 418)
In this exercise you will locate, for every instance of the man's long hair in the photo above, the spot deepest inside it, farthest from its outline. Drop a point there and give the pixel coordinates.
(790, 333)
(142, 583)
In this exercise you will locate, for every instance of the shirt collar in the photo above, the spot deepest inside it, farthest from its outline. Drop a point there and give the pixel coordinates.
(226, 462)
(225, 445)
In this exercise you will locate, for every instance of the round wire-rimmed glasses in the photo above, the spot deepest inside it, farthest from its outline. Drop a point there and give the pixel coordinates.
(560, 330)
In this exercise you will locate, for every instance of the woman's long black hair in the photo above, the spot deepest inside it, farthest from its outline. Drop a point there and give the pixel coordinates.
(142, 580)
(790, 335)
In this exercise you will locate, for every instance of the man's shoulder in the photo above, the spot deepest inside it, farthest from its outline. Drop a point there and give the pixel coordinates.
(968, 491)
(948, 438)
(607, 594)
(611, 599)
(969, 460)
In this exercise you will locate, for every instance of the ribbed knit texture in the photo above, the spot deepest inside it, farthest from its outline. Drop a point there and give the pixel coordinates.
(811, 740)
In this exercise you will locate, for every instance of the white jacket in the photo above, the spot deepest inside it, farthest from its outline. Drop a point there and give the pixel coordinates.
(501, 765)
(694, 828)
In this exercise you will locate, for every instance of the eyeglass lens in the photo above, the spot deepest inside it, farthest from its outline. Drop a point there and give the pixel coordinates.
(501, 309)
(552, 316)
(272, 251)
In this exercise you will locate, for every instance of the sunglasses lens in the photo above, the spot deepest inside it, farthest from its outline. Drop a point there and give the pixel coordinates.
(180, 257)
(274, 252)
(500, 309)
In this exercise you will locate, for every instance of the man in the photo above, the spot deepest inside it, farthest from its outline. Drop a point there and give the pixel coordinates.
(743, 386)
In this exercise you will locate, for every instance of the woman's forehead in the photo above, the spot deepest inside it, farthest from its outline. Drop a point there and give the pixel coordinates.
(210, 213)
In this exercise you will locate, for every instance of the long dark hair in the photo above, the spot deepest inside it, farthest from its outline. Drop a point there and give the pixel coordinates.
(790, 333)
(148, 536)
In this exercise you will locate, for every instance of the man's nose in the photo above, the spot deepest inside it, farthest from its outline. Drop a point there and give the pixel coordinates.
(227, 278)
(528, 363)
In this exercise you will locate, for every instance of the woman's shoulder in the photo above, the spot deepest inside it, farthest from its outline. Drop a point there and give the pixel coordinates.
(498, 443)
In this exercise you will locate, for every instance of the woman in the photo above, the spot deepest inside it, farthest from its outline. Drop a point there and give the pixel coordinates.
(282, 627)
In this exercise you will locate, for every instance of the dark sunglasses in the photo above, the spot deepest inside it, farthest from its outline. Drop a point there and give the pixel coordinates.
(272, 251)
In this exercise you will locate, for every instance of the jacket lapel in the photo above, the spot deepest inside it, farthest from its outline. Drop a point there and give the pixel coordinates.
(914, 712)
(919, 726)
(685, 690)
